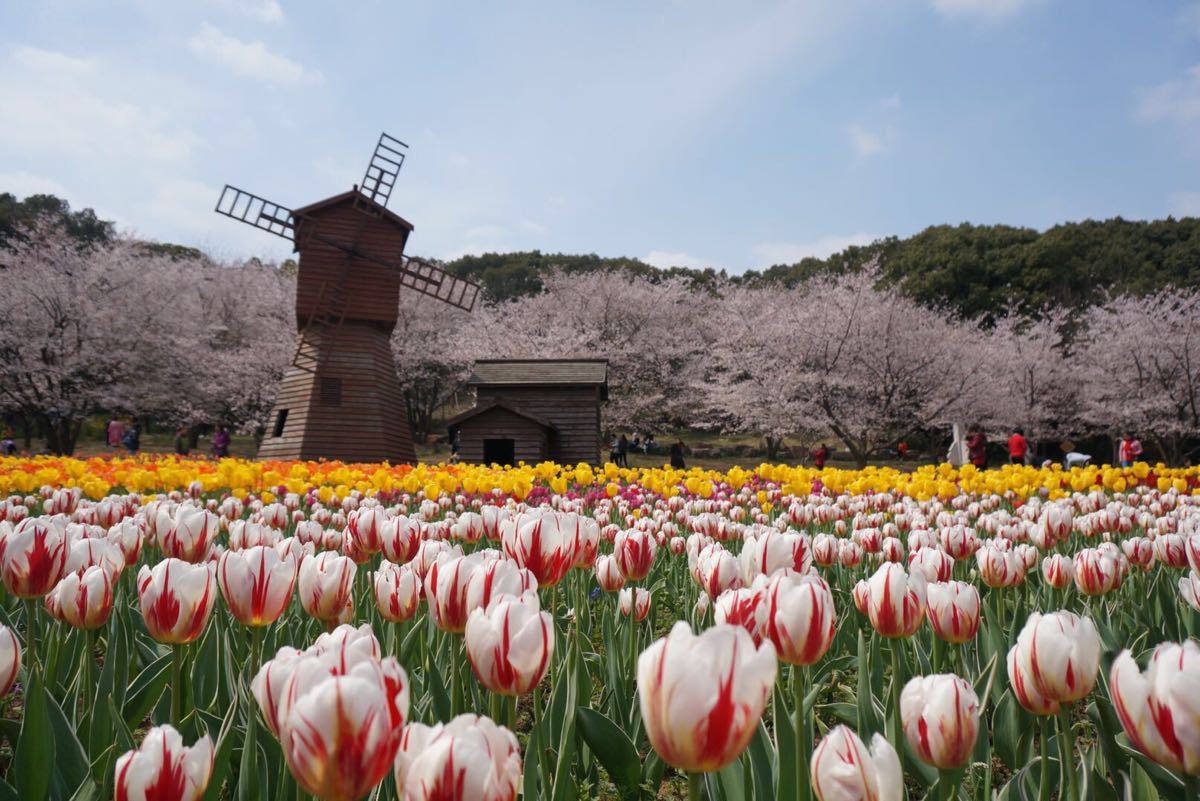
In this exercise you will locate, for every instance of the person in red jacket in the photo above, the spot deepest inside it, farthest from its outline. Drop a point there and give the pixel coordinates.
(977, 448)
(819, 454)
(1018, 447)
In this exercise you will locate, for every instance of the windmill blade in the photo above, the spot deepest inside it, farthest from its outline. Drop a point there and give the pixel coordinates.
(382, 170)
(259, 212)
(429, 279)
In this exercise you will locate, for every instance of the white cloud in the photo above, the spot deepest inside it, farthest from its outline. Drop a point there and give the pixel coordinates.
(865, 143)
(770, 253)
(23, 184)
(665, 258)
(1185, 204)
(991, 9)
(67, 106)
(1173, 101)
(250, 59)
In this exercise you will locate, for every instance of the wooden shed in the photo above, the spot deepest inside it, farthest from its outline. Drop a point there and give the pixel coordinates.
(533, 410)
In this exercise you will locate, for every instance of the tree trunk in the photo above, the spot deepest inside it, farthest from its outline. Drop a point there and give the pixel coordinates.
(60, 433)
(773, 446)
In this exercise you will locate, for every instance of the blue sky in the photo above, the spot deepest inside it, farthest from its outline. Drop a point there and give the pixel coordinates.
(731, 134)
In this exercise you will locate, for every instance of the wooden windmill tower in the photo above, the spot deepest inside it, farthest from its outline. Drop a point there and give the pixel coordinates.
(340, 397)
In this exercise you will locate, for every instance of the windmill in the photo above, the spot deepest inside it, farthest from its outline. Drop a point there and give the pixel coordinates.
(340, 397)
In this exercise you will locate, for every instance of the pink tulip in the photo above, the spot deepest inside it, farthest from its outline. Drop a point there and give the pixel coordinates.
(627, 605)
(164, 768)
(35, 557)
(397, 591)
(953, 609)
(84, 600)
(325, 584)
(702, 697)
(634, 551)
(468, 758)
(190, 535)
(540, 545)
(176, 599)
(510, 644)
(797, 615)
(608, 575)
(844, 770)
(940, 715)
(10, 660)
(1160, 708)
(896, 601)
(256, 583)
(1056, 660)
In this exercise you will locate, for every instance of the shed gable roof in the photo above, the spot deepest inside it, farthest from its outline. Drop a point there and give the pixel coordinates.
(539, 372)
(495, 404)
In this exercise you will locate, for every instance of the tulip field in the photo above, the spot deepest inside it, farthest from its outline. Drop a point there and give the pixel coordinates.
(200, 629)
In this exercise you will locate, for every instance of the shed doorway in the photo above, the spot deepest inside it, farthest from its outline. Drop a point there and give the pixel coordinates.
(499, 451)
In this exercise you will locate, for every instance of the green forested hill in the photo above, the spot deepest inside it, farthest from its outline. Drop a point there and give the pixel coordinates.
(978, 270)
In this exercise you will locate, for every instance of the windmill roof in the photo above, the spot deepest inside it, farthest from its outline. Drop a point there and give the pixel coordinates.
(539, 372)
(344, 197)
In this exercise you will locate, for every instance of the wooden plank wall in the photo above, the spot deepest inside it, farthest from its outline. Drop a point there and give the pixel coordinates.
(531, 443)
(370, 425)
(574, 411)
(372, 291)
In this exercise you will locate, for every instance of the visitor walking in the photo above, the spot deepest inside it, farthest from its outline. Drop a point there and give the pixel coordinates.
(977, 448)
(115, 431)
(623, 451)
(131, 438)
(819, 454)
(182, 441)
(1130, 450)
(1018, 447)
(220, 443)
(677, 455)
(614, 451)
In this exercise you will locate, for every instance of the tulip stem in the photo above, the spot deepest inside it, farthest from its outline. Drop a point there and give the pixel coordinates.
(897, 727)
(694, 784)
(87, 684)
(800, 680)
(1044, 787)
(176, 685)
(31, 635)
(1068, 752)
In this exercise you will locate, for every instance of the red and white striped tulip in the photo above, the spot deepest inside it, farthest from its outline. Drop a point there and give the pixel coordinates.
(940, 715)
(634, 551)
(588, 542)
(256, 584)
(1189, 590)
(628, 606)
(896, 601)
(717, 570)
(608, 575)
(999, 568)
(740, 607)
(1160, 708)
(397, 591)
(1097, 571)
(510, 644)
(936, 564)
(10, 659)
(128, 535)
(843, 769)
(84, 600)
(1058, 570)
(1139, 551)
(825, 549)
(797, 615)
(190, 534)
(1058, 654)
(164, 768)
(35, 557)
(1171, 551)
(496, 578)
(446, 590)
(764, 554)
(702, 696)
(540, 544)
(953, 609)
(176, 599)
(468, 758)
(325, 584)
